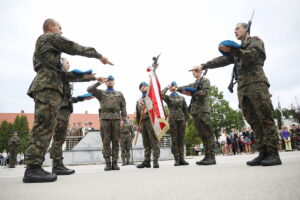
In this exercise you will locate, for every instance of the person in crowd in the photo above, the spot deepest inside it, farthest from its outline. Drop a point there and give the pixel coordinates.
(286, 138)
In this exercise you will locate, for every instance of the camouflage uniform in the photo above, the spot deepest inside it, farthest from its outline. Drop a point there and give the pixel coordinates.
(200, 111)
(113, 108)
(47, 90)
(178, 117)
(253, 93)
(13, 145)
(61, 128)
(127, 135)
(150, 141)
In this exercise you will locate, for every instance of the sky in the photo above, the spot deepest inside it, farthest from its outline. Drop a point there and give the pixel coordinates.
(131, 32)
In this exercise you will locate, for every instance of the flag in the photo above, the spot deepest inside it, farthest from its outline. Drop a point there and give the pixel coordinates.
(154, 105)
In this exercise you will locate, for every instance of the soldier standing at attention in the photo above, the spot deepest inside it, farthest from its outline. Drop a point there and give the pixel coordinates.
(200, 111)
(112, 116)
(13, 145)
(127, 135)
(253, 92)
(61, 128)
(47, 91)
(150, 140)
(178, 118)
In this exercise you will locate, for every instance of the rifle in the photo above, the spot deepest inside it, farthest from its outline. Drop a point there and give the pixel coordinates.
(237, 64)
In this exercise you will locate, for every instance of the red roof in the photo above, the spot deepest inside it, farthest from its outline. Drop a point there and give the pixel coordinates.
(75, 118)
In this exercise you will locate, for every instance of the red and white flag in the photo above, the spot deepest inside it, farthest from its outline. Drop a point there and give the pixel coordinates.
(154, 105)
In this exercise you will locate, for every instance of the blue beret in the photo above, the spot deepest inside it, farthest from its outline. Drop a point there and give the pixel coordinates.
(110, 78)
(229, 43)
(77, 71)
(173, 83)
(142, 84)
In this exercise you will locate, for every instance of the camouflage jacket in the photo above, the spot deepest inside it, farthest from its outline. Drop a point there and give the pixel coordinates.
(199, 101)
(14, 141)
(249, 59)
(113, 104)
(127, 129)
(177, 106)
(138, 108)
(47, 65)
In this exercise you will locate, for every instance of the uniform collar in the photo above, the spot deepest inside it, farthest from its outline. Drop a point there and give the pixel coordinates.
(174, 94)
(110, 90)
(144, 94)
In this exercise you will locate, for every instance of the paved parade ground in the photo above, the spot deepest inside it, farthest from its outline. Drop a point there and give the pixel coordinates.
(230, 179)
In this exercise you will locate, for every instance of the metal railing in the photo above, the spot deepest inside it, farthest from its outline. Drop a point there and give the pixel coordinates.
(71, 142)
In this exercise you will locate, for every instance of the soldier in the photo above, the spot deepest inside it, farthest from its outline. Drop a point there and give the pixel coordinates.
(150, 141)
(127, 135)
(200, 111)
(178, 118)
(47, 91)
(113, 109)
(13, 145)
(60, 131)
(253, 93)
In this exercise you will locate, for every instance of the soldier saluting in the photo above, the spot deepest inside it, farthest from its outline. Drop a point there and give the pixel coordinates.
(112, 116)
(178, 118)
(253, 93)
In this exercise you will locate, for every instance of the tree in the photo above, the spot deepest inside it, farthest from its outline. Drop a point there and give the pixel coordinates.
(22, 127)
(222, 115)
(6, 130)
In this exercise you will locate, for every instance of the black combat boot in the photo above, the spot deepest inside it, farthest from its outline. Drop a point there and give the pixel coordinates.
(271, 159)
(207, 160)
(123, 162)
(36, 174)
(107, 166)
(155, 164)
(182, 161)
(144, 164)
(257, 161)
(176, 163)
(201, 161)
(115, 166)
(62, 170)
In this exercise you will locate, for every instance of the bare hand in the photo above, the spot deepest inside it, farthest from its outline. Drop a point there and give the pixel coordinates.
(105, 61)
(121, 123)
(225, 49)
(101, 79)
(89, 76)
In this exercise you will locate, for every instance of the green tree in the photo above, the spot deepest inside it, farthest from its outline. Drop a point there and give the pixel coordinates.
(22, 127)
(222, 115)
(6, 130)
(277, 115)
(191, 137)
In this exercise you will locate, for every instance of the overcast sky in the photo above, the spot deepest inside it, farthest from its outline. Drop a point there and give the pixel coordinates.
(131, 32)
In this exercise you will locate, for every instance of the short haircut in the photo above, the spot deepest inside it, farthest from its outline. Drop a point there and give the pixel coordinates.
(47, 23)
(244, 25)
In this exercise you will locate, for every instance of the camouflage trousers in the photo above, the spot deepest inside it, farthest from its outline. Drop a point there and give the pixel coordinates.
(150, 141)
(13, 156)
(60, 135)
(177, 132)
(125, 146)
(255, 102)
(40, 136)
(110, 133)
(204, 129)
